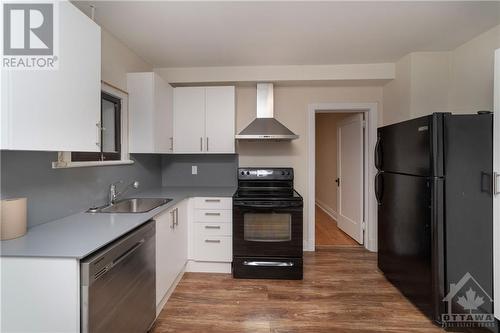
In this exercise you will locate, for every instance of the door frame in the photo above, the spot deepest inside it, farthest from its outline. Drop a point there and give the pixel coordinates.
(370, 111)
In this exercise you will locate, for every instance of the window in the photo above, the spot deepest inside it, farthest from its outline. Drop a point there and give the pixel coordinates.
(110, 132)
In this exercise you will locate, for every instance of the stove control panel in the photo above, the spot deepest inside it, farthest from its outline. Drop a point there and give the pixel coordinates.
(265, 173)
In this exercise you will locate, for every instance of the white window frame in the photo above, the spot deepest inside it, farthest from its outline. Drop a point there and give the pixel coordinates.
(64, 157)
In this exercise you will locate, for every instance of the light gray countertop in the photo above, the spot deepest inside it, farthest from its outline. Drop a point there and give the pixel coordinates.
(78, 235)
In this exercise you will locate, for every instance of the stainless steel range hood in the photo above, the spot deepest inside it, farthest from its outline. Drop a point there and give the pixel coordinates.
(265, 127)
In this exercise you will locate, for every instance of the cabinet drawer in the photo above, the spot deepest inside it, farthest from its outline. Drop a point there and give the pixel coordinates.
(213, 248)
(213, 215)
(213, 203)
(213, 229)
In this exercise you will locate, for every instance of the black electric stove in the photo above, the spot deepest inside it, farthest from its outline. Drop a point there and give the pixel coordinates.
(267, 225)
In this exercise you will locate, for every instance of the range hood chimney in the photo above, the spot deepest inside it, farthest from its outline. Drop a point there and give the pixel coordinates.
(265, 127)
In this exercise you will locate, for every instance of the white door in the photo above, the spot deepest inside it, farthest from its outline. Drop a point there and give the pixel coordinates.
(57, 110)
(164, 116)
(189, 119)
(496, 198)
(350, 176)
(220, 119)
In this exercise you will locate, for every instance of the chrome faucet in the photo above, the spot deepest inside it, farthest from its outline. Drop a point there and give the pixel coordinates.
(113, 194)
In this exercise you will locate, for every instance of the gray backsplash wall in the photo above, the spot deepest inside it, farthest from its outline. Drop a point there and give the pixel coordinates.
(213, 170)
(55, 193)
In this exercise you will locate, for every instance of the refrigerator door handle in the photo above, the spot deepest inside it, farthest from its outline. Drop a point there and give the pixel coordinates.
(379, 187)
(378, 154)
(496, 183)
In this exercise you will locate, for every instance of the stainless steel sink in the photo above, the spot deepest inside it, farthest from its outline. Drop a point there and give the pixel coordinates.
(133, 205)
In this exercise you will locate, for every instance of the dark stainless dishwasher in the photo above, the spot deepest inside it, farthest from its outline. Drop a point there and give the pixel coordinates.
(118, 285)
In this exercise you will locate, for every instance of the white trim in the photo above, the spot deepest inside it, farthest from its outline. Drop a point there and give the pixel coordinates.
(370, 204)
(208, 267)
(63, 164)
(377, 74)
(328, 210)
(496, 198)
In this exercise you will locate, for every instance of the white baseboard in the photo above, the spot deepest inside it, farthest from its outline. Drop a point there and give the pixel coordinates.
(208, 267)
(329, 211)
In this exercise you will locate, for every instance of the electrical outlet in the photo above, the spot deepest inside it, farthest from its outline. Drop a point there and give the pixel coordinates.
(194, 170)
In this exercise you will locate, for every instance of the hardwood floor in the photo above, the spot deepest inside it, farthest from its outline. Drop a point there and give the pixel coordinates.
(342, 291)
(327, 232)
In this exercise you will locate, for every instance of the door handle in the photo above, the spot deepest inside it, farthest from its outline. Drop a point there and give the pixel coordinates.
(176, 216)
(99, 134)
(212, 214)
(201, 143)
(128, 252)
(171, 143)
(496, 183)
(268, 263)
(207, 143)
(337, 180)
(378, 154)
(379, 188)
(172, 214)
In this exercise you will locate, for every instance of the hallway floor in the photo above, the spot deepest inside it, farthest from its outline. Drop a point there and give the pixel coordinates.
(342, 291)
(327, 232)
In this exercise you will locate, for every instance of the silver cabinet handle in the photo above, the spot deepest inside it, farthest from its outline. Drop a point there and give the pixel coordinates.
(172, 213)
(207, 143)
(99, 133)
(201, 143)
(496, 183)
(171, 143)
(176, 216)
(212, 240)
(212, 200)
(212, 227)
(212, 214)
(268, 263)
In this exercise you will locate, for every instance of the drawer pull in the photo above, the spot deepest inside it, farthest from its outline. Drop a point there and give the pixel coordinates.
(212, 214)
(212, 200)
(212, 240)
(212, 227)
(268, 263)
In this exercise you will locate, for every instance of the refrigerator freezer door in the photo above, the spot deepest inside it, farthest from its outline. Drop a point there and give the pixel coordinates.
(468, 142)
(404, 236)
(411, 147)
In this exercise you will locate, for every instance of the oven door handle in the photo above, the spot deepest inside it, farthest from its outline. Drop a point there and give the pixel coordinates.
(271, 206)
(268, 263)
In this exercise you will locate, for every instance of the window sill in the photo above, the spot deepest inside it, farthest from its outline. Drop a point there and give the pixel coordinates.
(64, 165)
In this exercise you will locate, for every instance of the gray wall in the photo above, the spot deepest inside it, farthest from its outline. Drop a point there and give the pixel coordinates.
(55, 193)
(213, 170)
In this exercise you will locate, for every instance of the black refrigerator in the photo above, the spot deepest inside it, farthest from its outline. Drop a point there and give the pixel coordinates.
(435, 206)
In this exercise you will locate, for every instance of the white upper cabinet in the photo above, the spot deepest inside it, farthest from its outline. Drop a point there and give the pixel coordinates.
(57, 110)
(150, 113)
(189, 119)
(204, 119)
(219, 119)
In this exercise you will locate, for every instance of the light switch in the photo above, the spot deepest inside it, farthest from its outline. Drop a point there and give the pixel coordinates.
(194, 169)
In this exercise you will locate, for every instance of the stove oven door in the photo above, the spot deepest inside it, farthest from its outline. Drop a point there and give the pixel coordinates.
(267, 229)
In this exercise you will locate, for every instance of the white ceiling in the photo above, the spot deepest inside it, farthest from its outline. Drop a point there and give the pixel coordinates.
(188, 34)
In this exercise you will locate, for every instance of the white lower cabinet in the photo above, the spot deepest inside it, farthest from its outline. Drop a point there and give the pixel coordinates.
(210, 237)
(171, 249)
